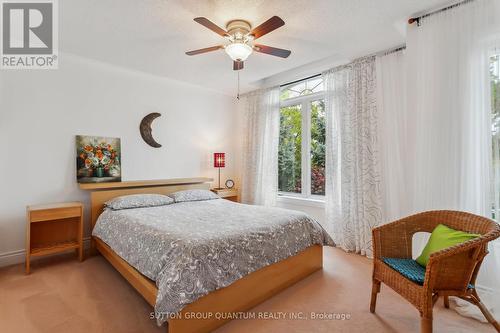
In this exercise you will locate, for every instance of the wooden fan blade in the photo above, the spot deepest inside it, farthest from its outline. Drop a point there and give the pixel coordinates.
(237, 65)
(205, 50)
(272, 24)
(282, 53)
(212, 26)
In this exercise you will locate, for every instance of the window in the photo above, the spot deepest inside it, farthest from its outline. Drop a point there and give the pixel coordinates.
(301, 159)
(495, 130)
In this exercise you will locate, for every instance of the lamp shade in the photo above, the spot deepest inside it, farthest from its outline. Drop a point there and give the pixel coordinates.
(219, 160)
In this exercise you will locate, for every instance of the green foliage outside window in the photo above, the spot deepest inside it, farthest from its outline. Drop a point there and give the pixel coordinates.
(290, 149)
(318, 123)
(495, 93)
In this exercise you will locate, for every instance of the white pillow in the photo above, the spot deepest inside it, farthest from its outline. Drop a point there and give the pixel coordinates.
(193, 195)
(138, 201)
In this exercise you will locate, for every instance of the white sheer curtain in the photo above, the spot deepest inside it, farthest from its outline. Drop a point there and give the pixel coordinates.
(396, 145)
(353, 202)
(392, 106)
(450, 109)
(260, 150)
(447, 155)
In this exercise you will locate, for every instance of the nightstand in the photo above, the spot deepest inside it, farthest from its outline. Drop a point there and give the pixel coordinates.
(227, 193)
(53, 228)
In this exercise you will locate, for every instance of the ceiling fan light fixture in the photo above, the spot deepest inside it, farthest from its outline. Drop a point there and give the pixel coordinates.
(238, 51)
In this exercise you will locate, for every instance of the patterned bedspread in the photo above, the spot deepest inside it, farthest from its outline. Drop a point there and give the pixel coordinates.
(193, 248)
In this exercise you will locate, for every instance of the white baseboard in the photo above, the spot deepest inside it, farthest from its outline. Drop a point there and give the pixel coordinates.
(12, 258)
(17, 257)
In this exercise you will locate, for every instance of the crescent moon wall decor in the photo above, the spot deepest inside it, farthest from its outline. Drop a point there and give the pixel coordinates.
(146, 131)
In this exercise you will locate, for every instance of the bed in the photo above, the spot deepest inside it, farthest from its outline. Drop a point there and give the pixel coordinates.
(194, 260)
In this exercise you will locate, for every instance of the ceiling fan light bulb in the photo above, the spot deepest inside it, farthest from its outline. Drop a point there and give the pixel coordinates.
(238, 51)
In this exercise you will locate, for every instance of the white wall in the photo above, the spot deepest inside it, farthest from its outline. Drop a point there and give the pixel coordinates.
(42, 111)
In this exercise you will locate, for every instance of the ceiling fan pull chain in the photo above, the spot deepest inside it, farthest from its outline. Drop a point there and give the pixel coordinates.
(238, 95)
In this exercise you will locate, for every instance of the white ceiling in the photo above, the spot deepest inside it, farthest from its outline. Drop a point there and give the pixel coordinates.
(152, 35)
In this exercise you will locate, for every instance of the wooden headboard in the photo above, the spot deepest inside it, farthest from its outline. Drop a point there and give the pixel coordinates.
(102, 192)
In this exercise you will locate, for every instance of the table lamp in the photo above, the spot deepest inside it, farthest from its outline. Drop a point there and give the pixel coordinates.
(219, 162)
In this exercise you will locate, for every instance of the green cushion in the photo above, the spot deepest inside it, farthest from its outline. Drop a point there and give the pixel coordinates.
(441, 238)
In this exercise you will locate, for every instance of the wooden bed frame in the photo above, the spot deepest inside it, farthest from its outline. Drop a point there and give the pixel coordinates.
(240, 296)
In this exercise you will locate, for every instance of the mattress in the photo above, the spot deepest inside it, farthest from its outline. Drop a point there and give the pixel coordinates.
(193, 248)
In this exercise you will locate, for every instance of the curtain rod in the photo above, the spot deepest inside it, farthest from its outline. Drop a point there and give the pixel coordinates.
(297, 81)
(391, 50)
(418, 18)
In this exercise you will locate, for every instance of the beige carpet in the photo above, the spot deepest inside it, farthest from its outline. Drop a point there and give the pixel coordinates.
(64, 295)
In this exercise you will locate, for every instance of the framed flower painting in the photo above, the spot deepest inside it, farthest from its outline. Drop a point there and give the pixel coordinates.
(98, 159)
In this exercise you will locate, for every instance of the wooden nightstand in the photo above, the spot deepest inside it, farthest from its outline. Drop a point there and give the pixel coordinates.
(228, 194)
(53, 228)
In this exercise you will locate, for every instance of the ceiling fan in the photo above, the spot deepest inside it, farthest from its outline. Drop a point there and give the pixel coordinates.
(241, 36)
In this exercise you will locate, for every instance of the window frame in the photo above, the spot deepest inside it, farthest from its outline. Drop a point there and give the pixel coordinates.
(495, 212)
(305, 101)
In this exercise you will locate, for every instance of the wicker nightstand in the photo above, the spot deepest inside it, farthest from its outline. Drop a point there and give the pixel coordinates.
(228, 194)
(53, 228)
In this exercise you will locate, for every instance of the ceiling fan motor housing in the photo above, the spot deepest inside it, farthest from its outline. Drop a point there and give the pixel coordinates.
(238, 29)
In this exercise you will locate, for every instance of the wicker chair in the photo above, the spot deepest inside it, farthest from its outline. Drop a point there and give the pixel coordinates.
(450, 272)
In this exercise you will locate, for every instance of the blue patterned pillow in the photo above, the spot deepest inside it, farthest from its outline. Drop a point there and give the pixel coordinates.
(138, 201)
